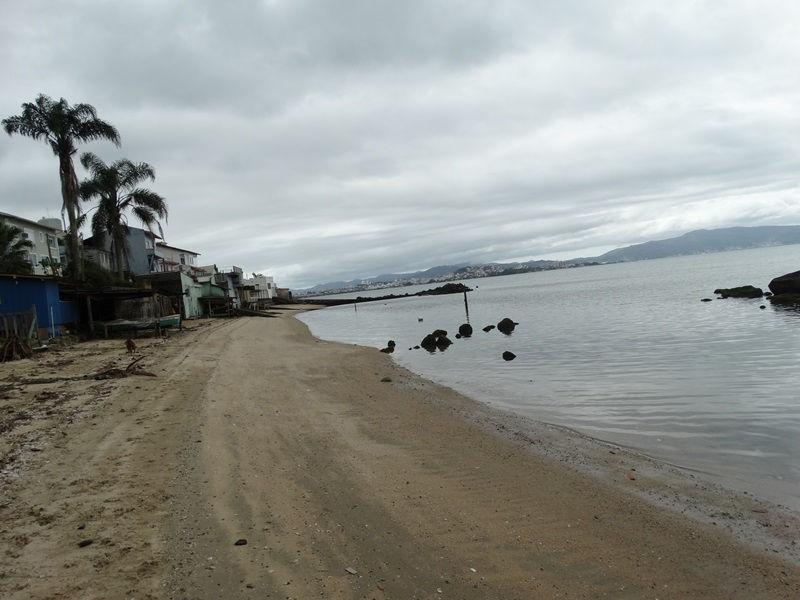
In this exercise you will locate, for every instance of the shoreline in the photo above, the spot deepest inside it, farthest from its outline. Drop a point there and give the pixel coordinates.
(339, 482)
(693, 493)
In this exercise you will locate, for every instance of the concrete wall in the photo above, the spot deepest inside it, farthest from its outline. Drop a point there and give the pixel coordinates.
(191, 300)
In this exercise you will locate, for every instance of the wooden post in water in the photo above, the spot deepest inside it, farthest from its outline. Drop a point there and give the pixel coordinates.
(466, 306)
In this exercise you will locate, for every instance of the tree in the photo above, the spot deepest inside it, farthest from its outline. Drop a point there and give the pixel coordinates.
(14, 250)
(52, 265)
(116, 187)
(63, 127)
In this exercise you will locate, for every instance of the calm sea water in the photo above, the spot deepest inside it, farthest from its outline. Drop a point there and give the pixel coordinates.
(625, 353)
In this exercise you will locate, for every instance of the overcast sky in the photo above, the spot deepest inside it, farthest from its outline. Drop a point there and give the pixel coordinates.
(325, 140)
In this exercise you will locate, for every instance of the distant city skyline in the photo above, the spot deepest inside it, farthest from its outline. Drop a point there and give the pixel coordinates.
(315, 141)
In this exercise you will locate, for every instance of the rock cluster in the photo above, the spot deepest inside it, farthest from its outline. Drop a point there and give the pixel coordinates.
(785, 289)
(438, 340)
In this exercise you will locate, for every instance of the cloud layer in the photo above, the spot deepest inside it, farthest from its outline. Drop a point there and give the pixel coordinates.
(320, 140)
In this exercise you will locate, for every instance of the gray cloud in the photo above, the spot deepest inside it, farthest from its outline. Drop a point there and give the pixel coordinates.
(318, 140)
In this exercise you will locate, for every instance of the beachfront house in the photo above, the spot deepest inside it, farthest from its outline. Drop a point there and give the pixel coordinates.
(47, 237)
(214, 298)
(141, 251)
(32, 306)
(171, 258)
(258, 291)
(183, 288)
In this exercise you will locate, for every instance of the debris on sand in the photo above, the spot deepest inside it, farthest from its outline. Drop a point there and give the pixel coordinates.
(15, 348)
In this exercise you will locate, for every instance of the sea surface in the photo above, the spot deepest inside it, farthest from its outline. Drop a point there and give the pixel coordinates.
(626, 353)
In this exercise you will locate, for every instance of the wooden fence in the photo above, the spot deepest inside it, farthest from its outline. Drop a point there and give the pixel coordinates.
(22, 323)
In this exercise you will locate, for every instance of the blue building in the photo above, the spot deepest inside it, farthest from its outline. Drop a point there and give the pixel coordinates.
(140, 246)
(18, 293)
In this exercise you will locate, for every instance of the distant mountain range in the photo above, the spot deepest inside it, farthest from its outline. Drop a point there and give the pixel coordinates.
(701, 241)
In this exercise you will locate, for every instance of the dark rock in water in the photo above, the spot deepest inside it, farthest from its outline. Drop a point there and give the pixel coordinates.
(458, 336)
(439, 333)
(786, 284)
(447, 288)
(743, 291)
(762, 307)
(488, 328)
(705, 299)
(443, 342)
(785, 299)
(416, 347)
(387, 350)
(429, 342)
(767, 294)
(465, 330)
(506, 326)
(509, 355)
(410, 348)
(391, 344)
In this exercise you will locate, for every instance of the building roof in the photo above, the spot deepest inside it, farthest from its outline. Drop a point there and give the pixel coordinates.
(4, 276)
(176, 248)
(4, 215)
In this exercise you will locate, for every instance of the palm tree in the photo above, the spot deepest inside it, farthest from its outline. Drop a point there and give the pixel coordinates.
(63, 127)
(14, 250)
(116, 186)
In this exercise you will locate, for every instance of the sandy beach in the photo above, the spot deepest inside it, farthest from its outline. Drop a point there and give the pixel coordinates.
(260, 462)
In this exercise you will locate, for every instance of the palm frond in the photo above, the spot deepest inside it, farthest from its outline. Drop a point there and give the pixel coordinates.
(96, 129)
(93, 163)
(149, 199)
(132, 174)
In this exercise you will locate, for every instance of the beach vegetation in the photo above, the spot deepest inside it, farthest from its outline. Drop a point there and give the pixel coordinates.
(14, 250)
(117, 188)
(63, 127)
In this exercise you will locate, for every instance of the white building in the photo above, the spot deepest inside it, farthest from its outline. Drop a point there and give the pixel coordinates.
(47, 237)
(170, 258)
(263, 284)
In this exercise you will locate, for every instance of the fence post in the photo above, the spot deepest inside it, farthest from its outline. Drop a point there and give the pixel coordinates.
(33, 330)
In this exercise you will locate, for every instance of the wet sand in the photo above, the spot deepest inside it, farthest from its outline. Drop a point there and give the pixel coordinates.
(348, 477)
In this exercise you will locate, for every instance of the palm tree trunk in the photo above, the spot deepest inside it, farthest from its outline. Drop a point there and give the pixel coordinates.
(69, 195)
(119, 256)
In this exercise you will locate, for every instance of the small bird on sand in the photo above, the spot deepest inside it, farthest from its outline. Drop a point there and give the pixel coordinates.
(130, 346)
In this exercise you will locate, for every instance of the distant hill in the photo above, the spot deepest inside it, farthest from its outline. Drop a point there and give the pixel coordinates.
(431, 273)
(703, 241)
(700, 241)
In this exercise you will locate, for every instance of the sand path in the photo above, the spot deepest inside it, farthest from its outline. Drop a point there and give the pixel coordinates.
(343, 486)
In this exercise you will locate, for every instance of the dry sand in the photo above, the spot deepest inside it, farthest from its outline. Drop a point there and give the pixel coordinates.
(343, 484)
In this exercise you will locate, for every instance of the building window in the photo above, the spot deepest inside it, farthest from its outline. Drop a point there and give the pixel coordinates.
(52, 241)
(42, 236)
(148, 243)
(183, 259)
